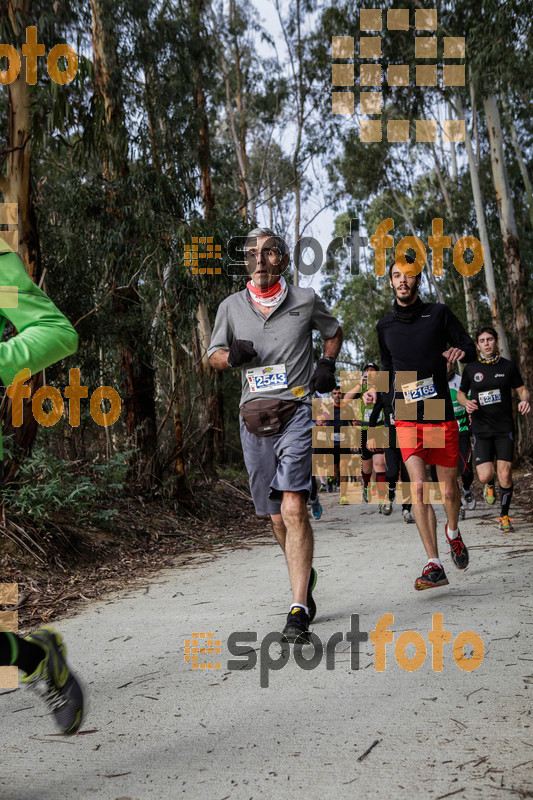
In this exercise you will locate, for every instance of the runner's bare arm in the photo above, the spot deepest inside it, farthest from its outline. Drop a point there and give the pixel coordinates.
(523, 405)
(219, 359)
(470, 405)
(332, 346)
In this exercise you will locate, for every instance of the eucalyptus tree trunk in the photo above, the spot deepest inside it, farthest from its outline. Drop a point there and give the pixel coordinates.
(135, 355)
(520, 159)
(16, 188)
(238, 132)
(164, 305)
(488, 268)
(209, 414)
(163, 313)
(517, 274)
(300, 101)
(470, 305)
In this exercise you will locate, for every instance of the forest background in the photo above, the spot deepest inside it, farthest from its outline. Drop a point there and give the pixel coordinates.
(197, 118)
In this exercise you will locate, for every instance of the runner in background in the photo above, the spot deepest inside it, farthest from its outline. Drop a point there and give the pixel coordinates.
(490, 381)
(336, 422)
(393, 457)
(465, 465)
(314, 502)
(372, 458)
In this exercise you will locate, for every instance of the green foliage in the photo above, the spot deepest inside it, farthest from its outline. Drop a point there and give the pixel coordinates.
(102, 229)
(47, 485)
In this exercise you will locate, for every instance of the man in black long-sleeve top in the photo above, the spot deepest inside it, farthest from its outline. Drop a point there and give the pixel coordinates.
(414, 338)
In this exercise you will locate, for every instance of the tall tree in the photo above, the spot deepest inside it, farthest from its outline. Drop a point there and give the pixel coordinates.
(517, 272)
(16, 187)
(133, 340)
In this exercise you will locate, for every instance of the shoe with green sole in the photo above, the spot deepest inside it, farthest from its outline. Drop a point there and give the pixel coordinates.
(489, 494)
(54, 681)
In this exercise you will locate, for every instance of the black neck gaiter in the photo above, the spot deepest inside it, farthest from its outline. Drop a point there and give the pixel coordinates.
(408, 313)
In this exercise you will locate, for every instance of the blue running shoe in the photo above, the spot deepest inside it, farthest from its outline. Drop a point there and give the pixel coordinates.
(316, 508)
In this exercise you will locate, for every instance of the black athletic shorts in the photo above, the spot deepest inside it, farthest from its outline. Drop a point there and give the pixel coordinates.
(500, 447)
(365, 453)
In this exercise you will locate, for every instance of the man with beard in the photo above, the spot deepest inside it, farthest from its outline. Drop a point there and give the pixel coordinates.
(490, 381)
(413, 341)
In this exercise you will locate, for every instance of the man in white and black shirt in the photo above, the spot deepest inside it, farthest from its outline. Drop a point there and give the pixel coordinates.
(490, 381)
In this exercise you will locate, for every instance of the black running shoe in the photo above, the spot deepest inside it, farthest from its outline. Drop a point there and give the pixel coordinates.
(432, 576)
(297, 627)
(55, 682)
(311, 605)
(458, 550)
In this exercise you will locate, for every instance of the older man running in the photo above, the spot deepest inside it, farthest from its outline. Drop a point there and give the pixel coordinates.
(265, 330)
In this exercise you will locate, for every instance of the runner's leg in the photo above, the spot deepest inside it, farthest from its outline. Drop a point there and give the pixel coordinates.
(465, 461)
(392, 463)
(298, 543)
(505, 479)
(378, 462)
(423, 512)
(451, 499)
(485, 472)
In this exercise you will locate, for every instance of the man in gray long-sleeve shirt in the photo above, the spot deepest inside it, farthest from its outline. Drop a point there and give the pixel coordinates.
(266, 331)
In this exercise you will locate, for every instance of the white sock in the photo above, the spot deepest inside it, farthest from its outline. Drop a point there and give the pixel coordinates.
(436, 561)
(300, 605)
(452, 534)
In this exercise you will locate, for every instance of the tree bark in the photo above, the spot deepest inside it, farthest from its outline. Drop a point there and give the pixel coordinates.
(517, 275)
(209, 411)
(470, 305)
(132, 334)
(16, 187)
(484, 238)
(521, 163)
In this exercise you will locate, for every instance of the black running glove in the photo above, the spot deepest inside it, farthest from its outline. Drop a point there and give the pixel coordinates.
(241, 351)
(323, 378)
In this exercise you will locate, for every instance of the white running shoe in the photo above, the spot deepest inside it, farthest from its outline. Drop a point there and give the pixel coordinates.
(407, 516)
(469, 501)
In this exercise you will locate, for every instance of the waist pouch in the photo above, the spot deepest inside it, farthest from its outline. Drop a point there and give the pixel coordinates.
(268, 416)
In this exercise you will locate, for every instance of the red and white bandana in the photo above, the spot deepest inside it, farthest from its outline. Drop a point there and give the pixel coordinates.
(271, 296)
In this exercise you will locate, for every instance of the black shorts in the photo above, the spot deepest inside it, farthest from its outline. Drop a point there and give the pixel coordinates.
(366, 454)
(500, 447)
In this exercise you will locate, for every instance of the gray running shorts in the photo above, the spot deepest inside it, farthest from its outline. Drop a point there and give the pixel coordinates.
(279, 463)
